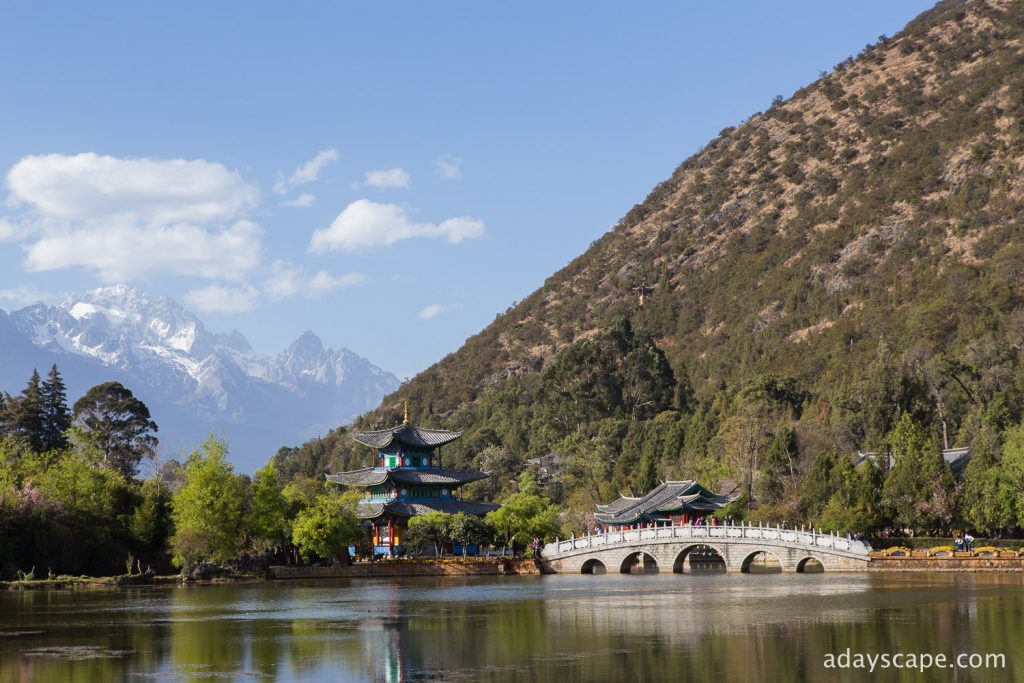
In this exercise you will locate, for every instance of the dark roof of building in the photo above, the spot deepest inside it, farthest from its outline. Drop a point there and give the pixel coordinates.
(669, 496)
(956, 458)
(401, 508)
(408, 435)
(372, 476)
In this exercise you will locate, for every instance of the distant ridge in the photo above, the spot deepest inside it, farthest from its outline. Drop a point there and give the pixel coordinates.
(193, 380)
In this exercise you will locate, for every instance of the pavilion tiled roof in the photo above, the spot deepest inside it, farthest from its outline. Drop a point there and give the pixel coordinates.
(408, 435)
(670, 496)
(372, 476)
(956, 458)
(398, 508)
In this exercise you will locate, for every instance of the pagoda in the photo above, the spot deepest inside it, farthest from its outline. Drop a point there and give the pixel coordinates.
(407, 479)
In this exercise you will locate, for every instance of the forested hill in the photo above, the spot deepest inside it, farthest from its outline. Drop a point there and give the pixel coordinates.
(846, 256)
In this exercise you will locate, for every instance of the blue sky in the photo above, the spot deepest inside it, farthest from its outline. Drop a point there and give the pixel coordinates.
(388, 175)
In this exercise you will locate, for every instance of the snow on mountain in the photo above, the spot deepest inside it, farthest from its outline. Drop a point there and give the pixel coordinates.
(193, 380)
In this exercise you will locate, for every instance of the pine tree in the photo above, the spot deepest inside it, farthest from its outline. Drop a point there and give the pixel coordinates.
(25, 414)
(5, 403)
(55, 414)
(646, 478)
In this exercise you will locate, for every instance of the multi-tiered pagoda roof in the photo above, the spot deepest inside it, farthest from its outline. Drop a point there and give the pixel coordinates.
(407, 477)
(407, 435)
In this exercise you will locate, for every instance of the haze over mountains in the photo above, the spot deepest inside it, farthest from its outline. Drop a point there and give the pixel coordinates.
(193, 380)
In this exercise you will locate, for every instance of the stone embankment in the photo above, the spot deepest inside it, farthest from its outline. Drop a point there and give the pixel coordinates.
(442, 567)
(906, 560)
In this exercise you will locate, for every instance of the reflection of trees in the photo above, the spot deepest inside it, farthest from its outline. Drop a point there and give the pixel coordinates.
(204, 637)
(607, 628)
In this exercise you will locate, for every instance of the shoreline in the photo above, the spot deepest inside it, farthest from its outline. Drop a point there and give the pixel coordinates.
(451, 567)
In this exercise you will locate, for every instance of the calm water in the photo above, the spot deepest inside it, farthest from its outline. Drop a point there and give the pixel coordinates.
(556, 628)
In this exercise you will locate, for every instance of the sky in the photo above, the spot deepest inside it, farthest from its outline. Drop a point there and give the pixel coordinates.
(388, 175)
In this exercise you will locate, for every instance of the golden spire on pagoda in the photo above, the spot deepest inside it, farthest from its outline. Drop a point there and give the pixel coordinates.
(405, 420)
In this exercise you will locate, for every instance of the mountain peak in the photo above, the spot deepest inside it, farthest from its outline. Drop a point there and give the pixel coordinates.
(867, 222)
(191, 378)
(308, 344)
(237, 342)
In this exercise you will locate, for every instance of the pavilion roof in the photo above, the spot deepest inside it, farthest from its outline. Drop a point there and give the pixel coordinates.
(956, 458)
(408, 435)
(401, 508)
(373, 476)
(669, 496)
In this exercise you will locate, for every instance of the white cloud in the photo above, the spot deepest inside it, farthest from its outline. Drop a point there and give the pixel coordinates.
(448, 167)
(120, 252)
(131, 218)
(304, 199)
(324, 283)
(364, 224)
(288, 280)
(434, 310)
(91, 187)
(24, 296)
(285, 281)
(306, 172)
(387, 178)
(216, 298)
(10, 232)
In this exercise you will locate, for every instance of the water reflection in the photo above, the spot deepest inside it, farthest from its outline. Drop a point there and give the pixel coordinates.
(587, 628)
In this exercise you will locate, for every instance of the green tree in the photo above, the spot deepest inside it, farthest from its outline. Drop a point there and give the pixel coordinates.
(646, 478)
(919, 490)
(986, 501)
(432, 528)
(24, 414)
(818, 485)
(56, 418)
(149, 523)
(854, 505)
(469, 530)
(207, 508)
(1011, 483)
(119, 424)
(524, 515)
(328, 526)
(779, 462)
(266, 521)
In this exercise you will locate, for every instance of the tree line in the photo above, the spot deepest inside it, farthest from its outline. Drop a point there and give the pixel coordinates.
(73, 501)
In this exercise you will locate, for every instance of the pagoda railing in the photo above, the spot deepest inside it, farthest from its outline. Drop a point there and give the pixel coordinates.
(804, 538)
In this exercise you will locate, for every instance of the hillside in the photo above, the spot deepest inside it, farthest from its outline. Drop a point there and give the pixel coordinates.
(849, 255)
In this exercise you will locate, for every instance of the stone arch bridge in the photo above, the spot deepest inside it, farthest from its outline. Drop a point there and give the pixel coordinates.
(732, 548)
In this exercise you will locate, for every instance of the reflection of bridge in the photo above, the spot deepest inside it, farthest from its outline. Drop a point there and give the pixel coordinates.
(734, 548)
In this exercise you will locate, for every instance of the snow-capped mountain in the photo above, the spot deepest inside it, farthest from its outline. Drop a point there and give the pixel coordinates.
(193, 380)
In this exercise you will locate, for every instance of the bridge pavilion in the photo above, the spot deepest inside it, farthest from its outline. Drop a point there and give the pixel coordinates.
(406, 478)
(672, 502)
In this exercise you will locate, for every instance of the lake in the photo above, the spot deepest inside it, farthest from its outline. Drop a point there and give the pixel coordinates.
(717, 627)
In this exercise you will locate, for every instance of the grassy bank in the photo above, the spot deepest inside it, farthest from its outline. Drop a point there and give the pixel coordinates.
(75, 582)
(122, 581)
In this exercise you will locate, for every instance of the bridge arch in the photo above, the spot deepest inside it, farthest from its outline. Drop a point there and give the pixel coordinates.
(593, 566)
(761, 562)
(701, 557)
(810, 565)
(638, 562)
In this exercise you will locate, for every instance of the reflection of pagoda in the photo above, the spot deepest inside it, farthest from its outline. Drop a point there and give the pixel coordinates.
(407, 479)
